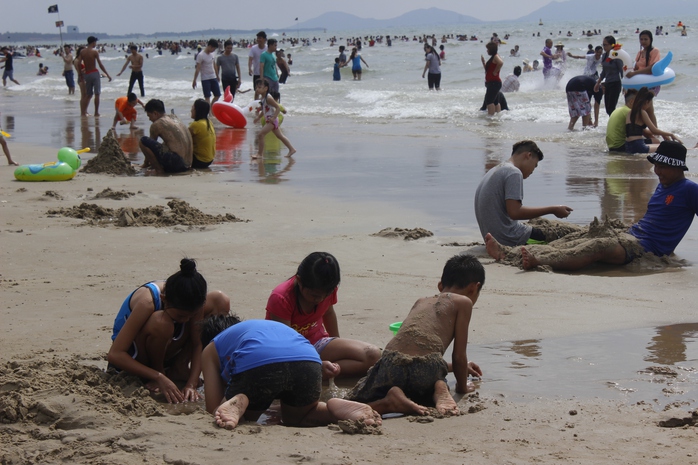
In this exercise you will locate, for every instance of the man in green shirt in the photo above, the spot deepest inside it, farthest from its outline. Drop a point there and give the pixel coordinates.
(267, 69)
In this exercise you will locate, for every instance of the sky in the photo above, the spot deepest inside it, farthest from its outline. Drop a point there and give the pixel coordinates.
(150, 16)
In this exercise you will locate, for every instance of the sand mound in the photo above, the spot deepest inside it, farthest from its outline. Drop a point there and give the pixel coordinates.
(110, 159)
(179, 213)
(407, 234)
(568, 238)
(116, 195)
(358, 427)
(67, 394)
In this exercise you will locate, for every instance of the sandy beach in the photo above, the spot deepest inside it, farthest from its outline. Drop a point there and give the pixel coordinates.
(63, 281)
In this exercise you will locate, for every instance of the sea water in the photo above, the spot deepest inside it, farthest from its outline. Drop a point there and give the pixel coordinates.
(387, 137)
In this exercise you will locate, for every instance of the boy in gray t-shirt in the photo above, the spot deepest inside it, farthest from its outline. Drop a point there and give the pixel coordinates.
(228, 65)
(499, 199)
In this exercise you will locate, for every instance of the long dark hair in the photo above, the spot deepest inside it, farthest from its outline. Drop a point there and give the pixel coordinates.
(492, 49)
(431, 50)
(201, 110)
(642, 97)
(650, 48)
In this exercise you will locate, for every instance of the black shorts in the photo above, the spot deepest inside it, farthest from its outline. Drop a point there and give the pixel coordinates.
(493, 88)
(434, 80)
(296, 384)
(537, 235)
(170, 161)
(233, 83)
(198, 164)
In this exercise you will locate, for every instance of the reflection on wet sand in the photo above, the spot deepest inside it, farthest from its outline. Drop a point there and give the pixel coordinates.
(670, 344)
(9, 124)
(229, 144)
(628, 186)
(527, 348)
(90, 134)
(609, 365)
(269, 168)
(128, 142)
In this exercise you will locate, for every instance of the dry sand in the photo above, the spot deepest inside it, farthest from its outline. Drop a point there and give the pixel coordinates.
(63, 281)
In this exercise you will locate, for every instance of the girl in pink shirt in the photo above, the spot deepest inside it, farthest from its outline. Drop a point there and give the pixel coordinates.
(306, 302)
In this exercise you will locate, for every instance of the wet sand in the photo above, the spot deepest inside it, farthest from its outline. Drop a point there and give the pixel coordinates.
(63, 281)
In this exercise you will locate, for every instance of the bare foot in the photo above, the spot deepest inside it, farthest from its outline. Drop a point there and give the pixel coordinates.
(330, 370)
(228, 414)
(397, 402)
(291, 152)
(12, 162)
(97, 115)
(445, 404)
(529, 261)
(254, 157)
(343, 409)
(494, 248)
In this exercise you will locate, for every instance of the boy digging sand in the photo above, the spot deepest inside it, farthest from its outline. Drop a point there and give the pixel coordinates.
(411, 371)
(126, 111)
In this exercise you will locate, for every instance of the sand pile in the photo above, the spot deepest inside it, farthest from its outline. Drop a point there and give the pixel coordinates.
(115, 195)
(568, 238)
(62, 393)
(179, 213)
(110, 159)
(407, 234)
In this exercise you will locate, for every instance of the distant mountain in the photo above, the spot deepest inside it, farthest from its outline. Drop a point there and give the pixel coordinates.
(337, 20)
(596, 9)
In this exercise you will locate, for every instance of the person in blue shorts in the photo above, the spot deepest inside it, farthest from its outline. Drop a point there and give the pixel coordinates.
(209, 73)
(670, 212)
(248, 364)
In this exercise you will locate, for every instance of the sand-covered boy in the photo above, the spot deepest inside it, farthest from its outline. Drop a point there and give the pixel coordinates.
(411, 372)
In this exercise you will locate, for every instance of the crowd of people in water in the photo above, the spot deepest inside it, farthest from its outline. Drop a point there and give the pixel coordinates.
(219, 69)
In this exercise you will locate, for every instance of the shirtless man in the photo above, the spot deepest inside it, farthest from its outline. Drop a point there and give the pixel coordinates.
(174, 155)
(412, 371)
(135, 60)
(68, 69)
(89, 57)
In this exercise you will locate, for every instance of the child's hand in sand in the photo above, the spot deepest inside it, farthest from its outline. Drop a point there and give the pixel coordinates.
(190, 394)
(163, 385)
(469, 387)
(474, 370)
(330, 370)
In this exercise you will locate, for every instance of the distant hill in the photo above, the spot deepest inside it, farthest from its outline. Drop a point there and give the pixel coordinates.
(336, 20)
(595, 9)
